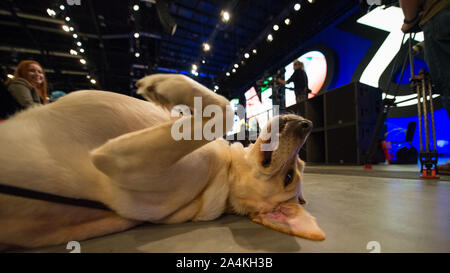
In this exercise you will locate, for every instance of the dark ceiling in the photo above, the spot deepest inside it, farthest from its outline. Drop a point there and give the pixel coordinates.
(106, 30)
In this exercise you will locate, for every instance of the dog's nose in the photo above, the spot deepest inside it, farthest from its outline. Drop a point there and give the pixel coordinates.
(306, 124)
(304, 128)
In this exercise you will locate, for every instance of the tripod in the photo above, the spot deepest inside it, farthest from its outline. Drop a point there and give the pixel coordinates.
(420, 84)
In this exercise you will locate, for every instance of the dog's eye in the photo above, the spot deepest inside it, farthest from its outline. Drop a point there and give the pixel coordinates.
(288, 178)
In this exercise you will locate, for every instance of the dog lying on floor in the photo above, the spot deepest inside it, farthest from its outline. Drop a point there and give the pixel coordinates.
(119, 151)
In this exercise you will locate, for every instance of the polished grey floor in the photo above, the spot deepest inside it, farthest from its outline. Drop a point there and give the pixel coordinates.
(400, 215)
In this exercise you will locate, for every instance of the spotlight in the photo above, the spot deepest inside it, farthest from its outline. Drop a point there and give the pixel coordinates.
(206, 47)
(66, 28)
(136, 35)
(75, 36)
(234, 70)
(236, 65)
(81, 50)
(88, 77)
(10, 76)
(254, 51)
(62, 7)
(276, 27)
(137, 54)
(73, 52)
(136, 7)
(79, 43)
(311, 1)
(71, 29)
(228, 74)
(83, 61)
(287, 21)
(51, 12)
(67, 19)
(225, 16)
(297, 7)
(246, 55)
(93, 81)
(270, 38)
(203, 61)
(194, 67)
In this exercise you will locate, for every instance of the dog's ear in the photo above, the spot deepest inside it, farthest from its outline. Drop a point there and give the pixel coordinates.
(291, 218)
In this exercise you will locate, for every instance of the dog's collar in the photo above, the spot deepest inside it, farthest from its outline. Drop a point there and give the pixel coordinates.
(20, 192)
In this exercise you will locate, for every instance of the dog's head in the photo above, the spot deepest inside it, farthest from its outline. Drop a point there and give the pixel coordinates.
(267, 182)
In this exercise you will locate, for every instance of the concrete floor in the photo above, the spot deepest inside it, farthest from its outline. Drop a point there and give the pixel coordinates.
(402, 215)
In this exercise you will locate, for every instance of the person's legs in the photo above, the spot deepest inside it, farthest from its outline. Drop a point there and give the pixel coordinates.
(437, 54)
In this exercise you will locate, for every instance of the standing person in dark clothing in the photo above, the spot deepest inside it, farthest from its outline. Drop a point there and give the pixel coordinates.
(433, 16)
(300, 80)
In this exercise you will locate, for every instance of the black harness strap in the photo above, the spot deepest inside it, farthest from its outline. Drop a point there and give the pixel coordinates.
(11, 190)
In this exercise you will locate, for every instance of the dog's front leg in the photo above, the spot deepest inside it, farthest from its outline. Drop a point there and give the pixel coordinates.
(152, 150)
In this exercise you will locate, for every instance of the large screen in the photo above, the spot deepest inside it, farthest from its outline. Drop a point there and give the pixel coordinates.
(315, 65)
(258, 113)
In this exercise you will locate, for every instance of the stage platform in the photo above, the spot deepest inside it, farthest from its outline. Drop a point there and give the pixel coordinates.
(388, 204)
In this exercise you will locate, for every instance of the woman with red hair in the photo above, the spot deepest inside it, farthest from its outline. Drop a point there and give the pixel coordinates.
(28, 86)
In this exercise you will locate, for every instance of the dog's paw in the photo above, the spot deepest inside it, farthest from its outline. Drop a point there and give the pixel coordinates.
(170, 89)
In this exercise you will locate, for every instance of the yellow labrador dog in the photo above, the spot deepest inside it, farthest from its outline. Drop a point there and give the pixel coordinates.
(120, 151)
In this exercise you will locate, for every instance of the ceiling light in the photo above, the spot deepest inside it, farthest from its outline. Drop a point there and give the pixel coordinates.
(83, 61)
(225, 16)
(73, 52)
(287, 21)
(270, 38)
(276, 27)
(81, 50)
(254, 51)
(68, 19)
(137, 54)
(206, 47)
(236, 65)
(79, 43)
(62, 7)
(51, 12)
(234, 70)
(194, 67)
(10, 76)
(75, 36)
(66, 28)
(136, 7)
(93, 81)
(136, 35)
(216, 87)
(311, 1)
(246, 55)
(71, 29)
(88, 77)
(228, 74)
(297, 7)
(203, 61)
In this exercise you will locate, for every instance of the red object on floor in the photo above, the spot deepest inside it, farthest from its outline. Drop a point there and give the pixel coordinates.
(432, 175)
(386, 146)
(368, 167)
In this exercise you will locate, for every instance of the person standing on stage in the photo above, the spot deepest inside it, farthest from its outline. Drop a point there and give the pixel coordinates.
(300, 80)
